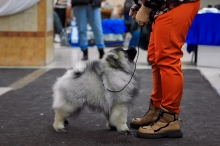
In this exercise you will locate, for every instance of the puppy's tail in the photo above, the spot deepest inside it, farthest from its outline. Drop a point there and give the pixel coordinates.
(79, 69)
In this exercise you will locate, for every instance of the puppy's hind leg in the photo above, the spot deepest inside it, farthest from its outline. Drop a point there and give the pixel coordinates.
(60, 118)
(118, 118)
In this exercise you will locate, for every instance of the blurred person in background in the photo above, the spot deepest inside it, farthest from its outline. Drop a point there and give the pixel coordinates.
(117, 12)
(89, 11)
(57, 27)
(127, 19)
(135, 30)
(171, 20)
(217, 6)
(62, 18)
(106, 10)
(62, 8)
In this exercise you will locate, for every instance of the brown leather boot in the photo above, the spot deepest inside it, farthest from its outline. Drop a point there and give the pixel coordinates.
(166, 125)
(147, 119)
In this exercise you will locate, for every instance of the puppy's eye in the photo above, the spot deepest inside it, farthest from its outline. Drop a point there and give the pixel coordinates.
(111, 58)
(126, 54)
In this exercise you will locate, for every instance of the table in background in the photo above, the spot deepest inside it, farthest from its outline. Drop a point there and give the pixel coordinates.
(204, 38)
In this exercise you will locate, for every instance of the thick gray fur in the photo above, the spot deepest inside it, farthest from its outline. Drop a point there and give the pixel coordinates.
(86, 85)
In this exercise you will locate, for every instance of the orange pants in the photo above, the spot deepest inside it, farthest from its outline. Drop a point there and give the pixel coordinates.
(164, 52)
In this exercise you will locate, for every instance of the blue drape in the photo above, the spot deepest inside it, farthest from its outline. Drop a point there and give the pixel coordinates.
(205, 30)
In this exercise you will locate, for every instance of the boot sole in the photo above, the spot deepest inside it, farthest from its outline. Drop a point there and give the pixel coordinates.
(172, 134)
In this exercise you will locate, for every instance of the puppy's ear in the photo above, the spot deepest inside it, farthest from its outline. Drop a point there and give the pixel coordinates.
(131, 53)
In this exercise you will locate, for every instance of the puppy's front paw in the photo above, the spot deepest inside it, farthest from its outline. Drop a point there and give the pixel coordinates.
(126, 132)
(60, 129)
(63, 130)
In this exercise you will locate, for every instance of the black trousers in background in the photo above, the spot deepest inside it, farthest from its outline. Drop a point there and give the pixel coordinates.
(62, 15)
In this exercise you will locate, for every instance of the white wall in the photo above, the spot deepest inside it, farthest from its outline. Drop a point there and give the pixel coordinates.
(204, 3)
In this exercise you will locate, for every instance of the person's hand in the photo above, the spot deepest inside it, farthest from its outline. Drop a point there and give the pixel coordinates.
(142, 16)
(133, 11)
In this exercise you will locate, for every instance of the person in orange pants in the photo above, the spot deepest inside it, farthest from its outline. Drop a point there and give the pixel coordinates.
(172, 20)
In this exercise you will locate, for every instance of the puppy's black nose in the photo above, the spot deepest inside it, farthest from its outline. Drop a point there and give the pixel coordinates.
(131, 53)
(132, 48)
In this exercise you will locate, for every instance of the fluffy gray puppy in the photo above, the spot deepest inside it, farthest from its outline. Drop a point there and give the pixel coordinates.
(89, 83)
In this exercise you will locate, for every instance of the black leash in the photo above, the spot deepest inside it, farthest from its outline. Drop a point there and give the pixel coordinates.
(134, 64)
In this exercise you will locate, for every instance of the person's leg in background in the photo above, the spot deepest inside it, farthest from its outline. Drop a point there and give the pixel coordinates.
(62, 15)
(145, 37)
(134, 39)
(135, 34)
(94, 16)
(80, 13)
(169, 31)
(57, 25)
(128, 22)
